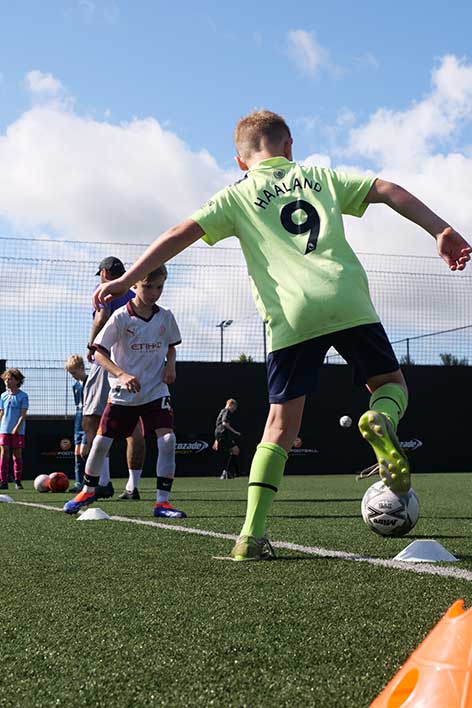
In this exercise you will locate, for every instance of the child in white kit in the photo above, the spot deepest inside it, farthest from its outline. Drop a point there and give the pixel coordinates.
(137, 349)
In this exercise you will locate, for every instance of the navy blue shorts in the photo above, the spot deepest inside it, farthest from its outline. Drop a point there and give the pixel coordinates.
(294, 371)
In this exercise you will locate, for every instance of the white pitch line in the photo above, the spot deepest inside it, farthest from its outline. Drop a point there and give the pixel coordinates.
(421, 568)
(39, 506)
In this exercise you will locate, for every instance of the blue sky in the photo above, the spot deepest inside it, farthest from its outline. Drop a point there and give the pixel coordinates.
(198, 66)
(116, 121)
(156, 84)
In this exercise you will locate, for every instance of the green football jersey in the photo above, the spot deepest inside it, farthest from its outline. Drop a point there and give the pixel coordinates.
(306, 279)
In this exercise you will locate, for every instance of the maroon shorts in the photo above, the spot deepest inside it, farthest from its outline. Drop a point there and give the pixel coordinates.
(119, 421)
(12, 440)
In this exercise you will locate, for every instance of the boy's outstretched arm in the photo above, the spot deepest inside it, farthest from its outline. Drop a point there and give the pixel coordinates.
(452, 247)
(165, 247)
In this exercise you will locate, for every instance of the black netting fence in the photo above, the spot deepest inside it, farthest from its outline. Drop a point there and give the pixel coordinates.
(46, 312)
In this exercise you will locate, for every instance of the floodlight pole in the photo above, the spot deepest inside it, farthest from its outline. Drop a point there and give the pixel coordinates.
(222, 325)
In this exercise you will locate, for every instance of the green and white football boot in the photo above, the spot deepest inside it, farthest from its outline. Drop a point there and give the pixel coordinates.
(250, 548)
(392, 462)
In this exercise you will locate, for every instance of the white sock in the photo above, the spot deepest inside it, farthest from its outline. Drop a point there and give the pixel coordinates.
(133, 480)
(97, 459)
(162, 496)
(165, 468)
(105, 472)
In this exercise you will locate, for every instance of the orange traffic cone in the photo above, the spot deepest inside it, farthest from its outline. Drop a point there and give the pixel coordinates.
(439, 672)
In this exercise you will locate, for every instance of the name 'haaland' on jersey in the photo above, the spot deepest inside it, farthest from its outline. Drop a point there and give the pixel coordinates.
(281, 188)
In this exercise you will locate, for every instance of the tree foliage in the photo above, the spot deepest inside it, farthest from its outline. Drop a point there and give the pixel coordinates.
(452, 360)
(243, 359)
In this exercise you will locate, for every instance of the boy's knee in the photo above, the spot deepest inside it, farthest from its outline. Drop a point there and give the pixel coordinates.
(166, 443)
(90, 425)
(166, 456)
(393, 377)
(101, 445)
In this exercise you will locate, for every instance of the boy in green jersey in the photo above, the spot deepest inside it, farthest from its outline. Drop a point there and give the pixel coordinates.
(310, 288)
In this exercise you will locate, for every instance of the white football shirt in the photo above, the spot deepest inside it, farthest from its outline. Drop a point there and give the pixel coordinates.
(139, 347)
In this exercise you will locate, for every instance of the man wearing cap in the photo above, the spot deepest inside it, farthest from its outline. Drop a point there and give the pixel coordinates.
(96, 387)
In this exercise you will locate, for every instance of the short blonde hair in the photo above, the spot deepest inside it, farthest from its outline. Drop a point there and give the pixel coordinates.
(16, 373)
(73, 362)
(253, 128)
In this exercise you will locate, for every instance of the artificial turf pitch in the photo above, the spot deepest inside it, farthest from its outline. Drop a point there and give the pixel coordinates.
(115, 614)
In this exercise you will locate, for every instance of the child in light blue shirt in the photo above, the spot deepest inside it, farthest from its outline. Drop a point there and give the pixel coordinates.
(13, 408)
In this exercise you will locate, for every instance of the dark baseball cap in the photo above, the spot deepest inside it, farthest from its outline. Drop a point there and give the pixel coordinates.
(113, 265)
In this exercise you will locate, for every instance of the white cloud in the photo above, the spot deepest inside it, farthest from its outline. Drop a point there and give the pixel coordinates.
(416, 148)
(87, 6)
(308, 124)
(346, 117)
(317, 160)
(91, 180)
(86, 179)
(42, 84)
(307, 55)
(404, 137)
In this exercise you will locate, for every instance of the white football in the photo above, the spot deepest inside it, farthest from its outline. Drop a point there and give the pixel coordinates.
(345, 421)
(41, 483)
(387, 513)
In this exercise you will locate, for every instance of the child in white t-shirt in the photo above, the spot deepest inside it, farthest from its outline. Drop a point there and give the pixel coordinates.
(137, 349)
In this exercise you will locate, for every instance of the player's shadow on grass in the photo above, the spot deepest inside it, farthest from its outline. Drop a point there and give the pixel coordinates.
(315, 501)
(461, 557)
(294, 517)
(316, 516)
(189, 518)
(179, 497)
(279, 559)
(435, 535)
(207, 499)
(216, 516)
(447, 518)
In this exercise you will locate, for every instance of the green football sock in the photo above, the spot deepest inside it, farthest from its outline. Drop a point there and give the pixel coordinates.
(267, 470)
(390, 399)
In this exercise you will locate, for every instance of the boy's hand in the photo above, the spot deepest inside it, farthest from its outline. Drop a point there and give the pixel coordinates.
(168, 374)
(108, 291)
(129, 382)
(85, 450)
(453, 249)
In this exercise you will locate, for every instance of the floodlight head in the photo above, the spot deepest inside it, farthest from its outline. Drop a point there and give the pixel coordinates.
(228, 323)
